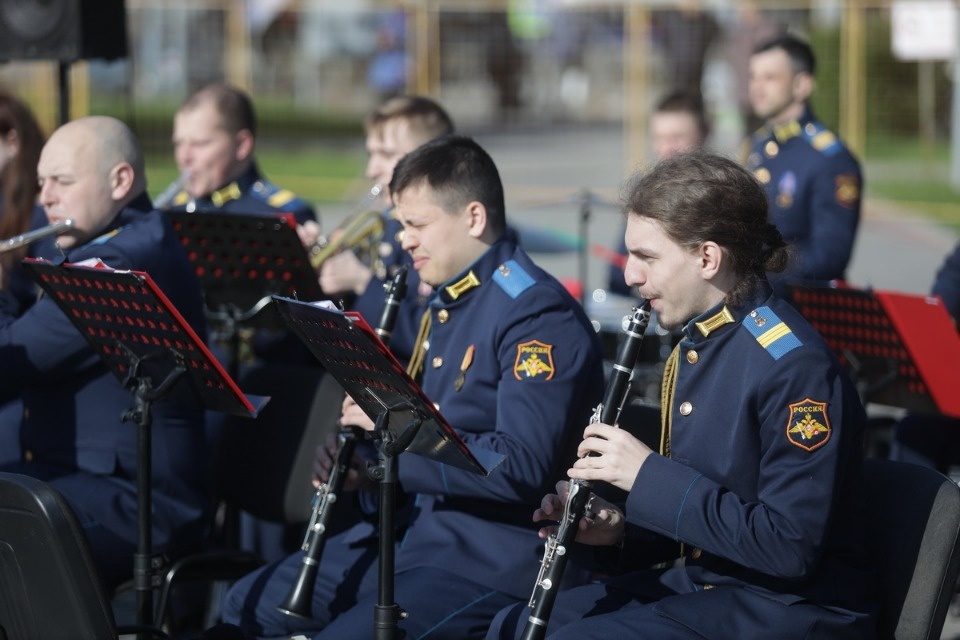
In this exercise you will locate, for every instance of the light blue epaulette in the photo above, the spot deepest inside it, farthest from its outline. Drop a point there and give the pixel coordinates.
(821, 138)
(274, 195)
(771, 332)
(512, 278)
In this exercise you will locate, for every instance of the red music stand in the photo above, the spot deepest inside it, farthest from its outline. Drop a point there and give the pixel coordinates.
(901, 348)
(149, 346)
(241, 260)
(354, 355)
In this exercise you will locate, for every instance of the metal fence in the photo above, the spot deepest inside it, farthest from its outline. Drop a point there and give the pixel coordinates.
(553, 62)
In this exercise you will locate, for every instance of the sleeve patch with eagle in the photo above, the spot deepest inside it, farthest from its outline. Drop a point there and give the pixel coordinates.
(808, 425)
(534, 359)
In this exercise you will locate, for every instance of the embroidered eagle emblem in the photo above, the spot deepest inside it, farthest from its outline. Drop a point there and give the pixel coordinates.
(534, 359)
(808, 426)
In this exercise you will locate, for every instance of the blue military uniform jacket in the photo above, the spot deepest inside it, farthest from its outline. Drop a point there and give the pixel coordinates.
(250, 193)
(761, 483)
(73, 404)
(814, 185)
(515, 367)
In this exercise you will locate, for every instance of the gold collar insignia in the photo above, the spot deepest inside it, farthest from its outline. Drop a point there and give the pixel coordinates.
(463, 285)
(715, 322)
(222, 196)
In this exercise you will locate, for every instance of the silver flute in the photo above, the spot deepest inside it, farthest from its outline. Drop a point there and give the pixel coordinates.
(32, 236)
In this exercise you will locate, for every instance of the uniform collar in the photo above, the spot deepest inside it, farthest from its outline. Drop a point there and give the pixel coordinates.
(477, 274)
(234, 189)
(788, 130)
(133, 211)
(720, 318)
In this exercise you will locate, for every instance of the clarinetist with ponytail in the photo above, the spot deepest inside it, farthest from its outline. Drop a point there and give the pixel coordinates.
(514, 366)
(755, 480)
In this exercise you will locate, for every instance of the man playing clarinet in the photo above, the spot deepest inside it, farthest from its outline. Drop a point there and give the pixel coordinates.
(755, 486)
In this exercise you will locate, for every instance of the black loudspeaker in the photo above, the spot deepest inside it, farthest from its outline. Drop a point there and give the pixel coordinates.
(64, 30)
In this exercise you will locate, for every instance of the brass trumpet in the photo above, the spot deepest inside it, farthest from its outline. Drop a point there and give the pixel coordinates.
(32, 236)
(361, 233)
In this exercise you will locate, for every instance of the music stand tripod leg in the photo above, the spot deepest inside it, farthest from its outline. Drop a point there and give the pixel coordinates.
(387, 613)
(144, 564)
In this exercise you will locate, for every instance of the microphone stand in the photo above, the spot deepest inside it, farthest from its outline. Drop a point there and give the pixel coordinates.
(584, 227)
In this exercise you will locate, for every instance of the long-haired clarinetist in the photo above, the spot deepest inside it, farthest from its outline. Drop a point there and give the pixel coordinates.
(756, 482)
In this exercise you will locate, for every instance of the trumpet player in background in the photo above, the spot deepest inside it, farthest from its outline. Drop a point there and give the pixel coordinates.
(214, 139)
(72, 433)
(756, 484)
(513, 363)
(20, 142)
(394, 129)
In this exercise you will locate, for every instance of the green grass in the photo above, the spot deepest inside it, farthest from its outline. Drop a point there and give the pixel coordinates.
(316, 174)
(916, 175)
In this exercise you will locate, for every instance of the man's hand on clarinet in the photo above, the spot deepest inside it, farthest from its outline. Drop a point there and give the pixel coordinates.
(325, 455)
(604, 523)
(617, 460)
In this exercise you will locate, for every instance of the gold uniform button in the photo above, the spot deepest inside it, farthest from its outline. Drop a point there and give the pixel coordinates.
(707, 586)
(695, 554)
(693, 357)
(810, 128)
(28, 456)
(399, 237)
(437, 362)
(763, 175)
(686, 408)
(443, 315)
(771, 149)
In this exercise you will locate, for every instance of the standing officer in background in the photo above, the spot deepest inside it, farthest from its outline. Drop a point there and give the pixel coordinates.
(513, 364)
(678, 124)
(812, 181)
(72, 436)
(764, 501)
(214, 135)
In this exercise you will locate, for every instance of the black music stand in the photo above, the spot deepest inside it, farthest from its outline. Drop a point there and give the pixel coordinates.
(901, 349)
(405, 419)
(149, 346)
(241, 260)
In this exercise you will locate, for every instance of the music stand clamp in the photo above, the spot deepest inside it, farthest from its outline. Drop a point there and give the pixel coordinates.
(147, 344)
(900, 348)
(241, 260)
(353, 354)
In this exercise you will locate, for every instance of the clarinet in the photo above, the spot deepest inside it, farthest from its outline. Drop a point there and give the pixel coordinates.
(297, 602)
(555, 552)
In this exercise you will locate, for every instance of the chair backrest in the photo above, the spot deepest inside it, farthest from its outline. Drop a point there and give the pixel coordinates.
(264, 466)
(913, 530)
(49, 586)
